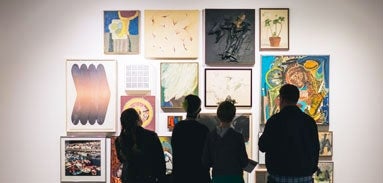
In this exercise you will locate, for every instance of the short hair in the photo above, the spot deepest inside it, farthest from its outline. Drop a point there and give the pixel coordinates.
(289, 92)
(226, 111)
(192, 105)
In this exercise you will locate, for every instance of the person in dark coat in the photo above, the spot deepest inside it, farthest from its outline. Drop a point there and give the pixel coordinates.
(225, 149)
(290, 141)
(188, 139)
(140, 151)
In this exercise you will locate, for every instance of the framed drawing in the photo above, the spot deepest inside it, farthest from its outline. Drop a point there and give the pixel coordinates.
(82, 159)
(221, 84)
(91, 95)
(171, 33)
(145, 106)
(115, 164)
(172, 121)
(229, 37)
(168, 153)
(325, 172)
(326, 143)
(274, 29)
(121, 32)
(137, 77)
(178, 79)
(309, 73)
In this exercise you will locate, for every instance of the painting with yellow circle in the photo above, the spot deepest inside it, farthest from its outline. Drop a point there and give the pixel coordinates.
(145, 106)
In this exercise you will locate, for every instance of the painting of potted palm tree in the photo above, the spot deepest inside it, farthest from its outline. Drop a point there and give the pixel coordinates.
(274, 29)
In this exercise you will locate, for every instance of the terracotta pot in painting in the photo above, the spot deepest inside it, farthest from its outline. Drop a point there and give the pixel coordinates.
(274, 41)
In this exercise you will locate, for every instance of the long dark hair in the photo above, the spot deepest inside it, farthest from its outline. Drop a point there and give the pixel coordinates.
(129, 122)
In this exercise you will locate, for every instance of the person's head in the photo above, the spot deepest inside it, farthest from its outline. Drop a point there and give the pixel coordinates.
(130, 119)
(226, 111)
(288, 95)
(192, 106)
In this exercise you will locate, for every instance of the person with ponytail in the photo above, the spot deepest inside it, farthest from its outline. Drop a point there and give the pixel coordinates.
(139, 150)
(188, 139)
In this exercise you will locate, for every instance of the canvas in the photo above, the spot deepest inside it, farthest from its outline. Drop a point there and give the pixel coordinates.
(121, 32)
(229, 37)
(222, 84)
(172, 33)
(274, 29)
(82, 159)
(309, 73)
(325, 142)
(168, 153)
(115, 164)
(178, 79)
(91, 95)
(145, 106)
(172, 121)
(325, 173)
(137, 77)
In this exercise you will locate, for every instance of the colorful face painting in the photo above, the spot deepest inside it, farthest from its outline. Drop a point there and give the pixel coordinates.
(309, 73)
(144, 105)
(121, 35)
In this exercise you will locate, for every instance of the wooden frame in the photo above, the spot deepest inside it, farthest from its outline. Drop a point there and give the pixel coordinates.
(178, 79)
(91, 95)
(310, 73)
(221, 84)
(325, 172)
(274, 29)
(121, 32)
(229, 37)
(326, 144)
(82, 159)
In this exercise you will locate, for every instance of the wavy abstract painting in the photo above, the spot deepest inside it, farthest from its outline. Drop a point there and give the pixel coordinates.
(309, 73)
(91, 95)
(121, 32)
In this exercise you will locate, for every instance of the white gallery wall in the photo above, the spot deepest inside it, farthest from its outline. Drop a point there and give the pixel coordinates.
(37, 36)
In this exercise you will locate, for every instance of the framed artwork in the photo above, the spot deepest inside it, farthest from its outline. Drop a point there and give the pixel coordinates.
(91, 95)
(172, 121)
(168, 153)
(274, 29)
(229, 37)
(137, 77)
(172, 33)
(222, 84)
(178, 79)
(82, 159)
(326, 143)
(121, 32)
(309, 73)
(115, 164)
(145, 106)
(325, 173)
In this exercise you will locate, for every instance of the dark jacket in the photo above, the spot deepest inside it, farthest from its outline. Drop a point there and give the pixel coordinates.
(290, 141)
(227, 154)
(188, 139)
(146, 161)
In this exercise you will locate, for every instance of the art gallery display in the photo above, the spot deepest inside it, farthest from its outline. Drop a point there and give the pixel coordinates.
(145, 106)
(274, 29)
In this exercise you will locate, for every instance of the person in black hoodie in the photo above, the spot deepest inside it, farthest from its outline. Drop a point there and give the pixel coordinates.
(140, 151)
(225, 149)
(290, 141)
(188, 139)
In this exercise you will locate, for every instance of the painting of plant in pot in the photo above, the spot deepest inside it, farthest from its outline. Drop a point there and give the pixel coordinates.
(274, 29)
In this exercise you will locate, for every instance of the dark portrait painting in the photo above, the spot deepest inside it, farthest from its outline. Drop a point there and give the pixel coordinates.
(229, 37)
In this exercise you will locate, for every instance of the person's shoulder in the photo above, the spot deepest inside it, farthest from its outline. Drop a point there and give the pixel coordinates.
(149, 132)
